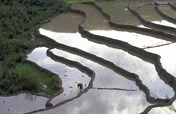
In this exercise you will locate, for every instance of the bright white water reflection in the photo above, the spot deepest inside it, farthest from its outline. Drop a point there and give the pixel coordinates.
(144, 70)
(104, 77)
(168, 56)
(21, 103)
(70, 76)
(165, 23)
(104, 102)
(138, 40)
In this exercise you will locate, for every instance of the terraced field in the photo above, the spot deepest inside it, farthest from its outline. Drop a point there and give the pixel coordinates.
(120, 52)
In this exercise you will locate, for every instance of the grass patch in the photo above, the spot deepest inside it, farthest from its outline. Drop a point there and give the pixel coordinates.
(48, 83)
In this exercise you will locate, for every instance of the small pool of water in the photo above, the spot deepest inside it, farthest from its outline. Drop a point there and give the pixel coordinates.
(21, 103)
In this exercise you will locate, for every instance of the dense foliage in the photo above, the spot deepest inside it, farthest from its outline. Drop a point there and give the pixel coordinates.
(18, 18)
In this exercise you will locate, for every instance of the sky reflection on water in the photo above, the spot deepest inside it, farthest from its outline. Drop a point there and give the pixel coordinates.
(21, 103)
(104, 102)
(143, 69)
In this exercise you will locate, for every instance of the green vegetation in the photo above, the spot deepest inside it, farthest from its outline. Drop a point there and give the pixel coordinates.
(19, 18)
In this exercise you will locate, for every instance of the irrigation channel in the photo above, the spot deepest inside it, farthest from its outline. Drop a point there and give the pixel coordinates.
(120, 53)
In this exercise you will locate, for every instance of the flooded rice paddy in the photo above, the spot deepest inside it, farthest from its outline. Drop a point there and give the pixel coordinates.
(104, 102)
(143, 69)
(21, 103)
(123, 82)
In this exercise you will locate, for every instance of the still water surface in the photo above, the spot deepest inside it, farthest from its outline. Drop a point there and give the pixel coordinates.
(104, 102)
(146, 71)
(168, 56)
(21, 103)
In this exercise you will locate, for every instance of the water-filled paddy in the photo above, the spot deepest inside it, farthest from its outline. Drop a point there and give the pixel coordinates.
(111, 92)
(104, 77)
(104, 102)
(138, 40)
(21, 103)
(144, 70)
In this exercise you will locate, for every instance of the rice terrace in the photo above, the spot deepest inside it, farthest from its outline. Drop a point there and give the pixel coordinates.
(88, 57)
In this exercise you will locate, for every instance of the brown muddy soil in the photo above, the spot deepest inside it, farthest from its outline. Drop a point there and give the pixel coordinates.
(94, 20)
(67, 23)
